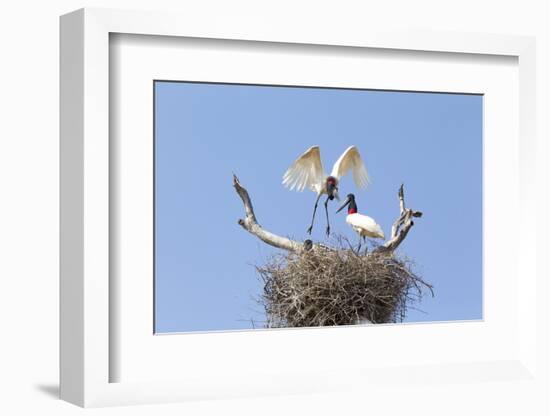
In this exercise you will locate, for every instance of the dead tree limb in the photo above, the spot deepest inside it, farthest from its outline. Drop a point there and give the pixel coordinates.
(250, 224)
(401, 226)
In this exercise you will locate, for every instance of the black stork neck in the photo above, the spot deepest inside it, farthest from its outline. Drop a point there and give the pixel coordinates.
(352, 207)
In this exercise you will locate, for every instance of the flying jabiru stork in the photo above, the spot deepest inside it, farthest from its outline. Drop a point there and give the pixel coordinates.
(307, 171)
(361, 224)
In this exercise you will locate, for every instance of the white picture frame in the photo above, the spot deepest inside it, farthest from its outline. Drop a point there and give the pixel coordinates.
(87, 304)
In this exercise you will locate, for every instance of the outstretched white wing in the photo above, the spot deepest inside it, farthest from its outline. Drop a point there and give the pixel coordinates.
(306, 171)
(351, 160)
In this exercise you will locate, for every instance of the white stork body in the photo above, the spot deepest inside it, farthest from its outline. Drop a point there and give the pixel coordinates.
(307, 172)
(363, 225)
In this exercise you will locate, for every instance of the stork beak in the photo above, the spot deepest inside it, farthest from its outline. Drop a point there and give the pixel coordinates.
(346, 203)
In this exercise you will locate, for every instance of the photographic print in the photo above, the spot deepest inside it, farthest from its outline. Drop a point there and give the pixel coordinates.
(295, 206)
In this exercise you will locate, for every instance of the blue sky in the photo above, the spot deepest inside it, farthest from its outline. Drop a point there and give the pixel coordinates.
(204, 264)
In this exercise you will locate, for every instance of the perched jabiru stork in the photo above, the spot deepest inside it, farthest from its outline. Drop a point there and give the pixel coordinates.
(307, 171)
(361, 224)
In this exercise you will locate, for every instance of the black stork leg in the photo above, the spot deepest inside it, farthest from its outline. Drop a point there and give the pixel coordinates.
(359, 247)
(326, 212)
(314, 210)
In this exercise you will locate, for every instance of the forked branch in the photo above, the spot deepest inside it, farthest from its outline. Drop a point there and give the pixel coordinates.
(400, 228)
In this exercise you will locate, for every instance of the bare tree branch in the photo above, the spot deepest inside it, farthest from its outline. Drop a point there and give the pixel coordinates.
(250, 224)
(401, 226)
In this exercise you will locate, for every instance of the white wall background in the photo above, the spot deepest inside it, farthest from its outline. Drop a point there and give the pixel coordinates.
(29, 199)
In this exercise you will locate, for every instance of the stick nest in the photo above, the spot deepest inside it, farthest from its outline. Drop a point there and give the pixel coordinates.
(338, 287)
